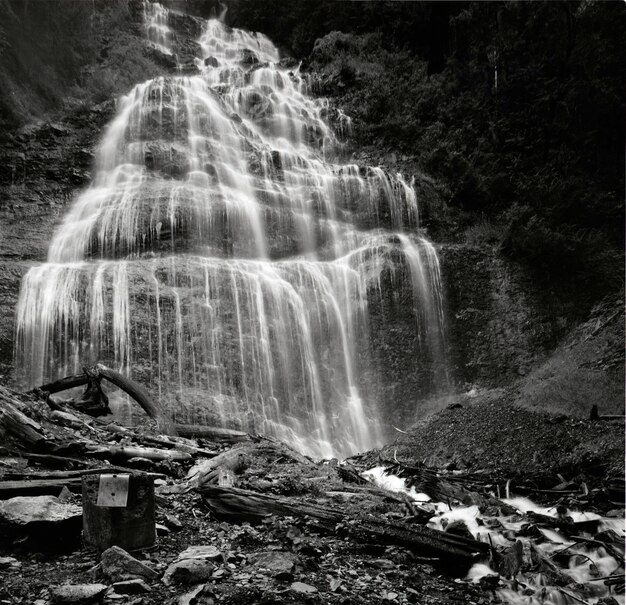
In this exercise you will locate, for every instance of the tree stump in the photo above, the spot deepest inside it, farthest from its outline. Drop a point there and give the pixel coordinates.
(118, 510)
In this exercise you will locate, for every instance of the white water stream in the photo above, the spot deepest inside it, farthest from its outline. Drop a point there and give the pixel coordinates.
(587, 563)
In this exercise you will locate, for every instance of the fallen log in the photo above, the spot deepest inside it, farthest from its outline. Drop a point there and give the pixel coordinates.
(610, 548)
(38, 487)
(16, 424)
(45, 475)
(132, 388)
(237, 505)
(212, 433)
(52, 461)
(142, 397)
(127, 452)
(178, 443)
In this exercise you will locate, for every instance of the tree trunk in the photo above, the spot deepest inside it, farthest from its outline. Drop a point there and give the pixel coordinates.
(132, 388)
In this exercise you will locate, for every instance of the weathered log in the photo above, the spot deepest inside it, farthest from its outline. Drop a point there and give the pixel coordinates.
(142, 397)
(610, 548)
(135, 390)
(38, 487)
(16, 424)
(51, 461)
(238, 505)
(63, 384)
(120, 451)
(45, 475)
(208, 471)
(212, 433)
(177, 443)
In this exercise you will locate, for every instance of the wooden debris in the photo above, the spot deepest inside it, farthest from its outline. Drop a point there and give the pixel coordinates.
(38, 487)
(120, 451)
(237, 505)
(92, 376)
(211, 433)
(16, 424)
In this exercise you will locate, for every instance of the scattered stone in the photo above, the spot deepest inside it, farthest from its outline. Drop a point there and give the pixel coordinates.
(65, 495)
(117, 565)
(490, 582)
(383, 563)
(136, 586)
(172, 522)
(284, 576)
(161, 530)
(200, 595)
(6, 562)
(77, 593)
(276, 561)
(459, 528)
(335, 583)
(200, 552)
(303, 588)
(188, 571)
(66, 419)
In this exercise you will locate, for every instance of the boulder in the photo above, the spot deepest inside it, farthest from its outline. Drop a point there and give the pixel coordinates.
(117, 565)
(193, 566)
(188, 572)
(23, 511)
(41, 523)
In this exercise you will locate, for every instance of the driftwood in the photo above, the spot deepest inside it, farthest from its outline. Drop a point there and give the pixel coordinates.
(122, 451)
(235, 460)
(51, 461)
(178, 443)
(211, 433)
(238, 505)
(610, 548)
(135, 390)
(16, 424)
(44, 475)
(38, 487)
(444, 487)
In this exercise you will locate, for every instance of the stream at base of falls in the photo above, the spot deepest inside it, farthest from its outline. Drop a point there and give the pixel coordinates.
(582, 565)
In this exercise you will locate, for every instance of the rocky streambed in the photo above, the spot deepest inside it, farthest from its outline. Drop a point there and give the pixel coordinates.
(244, 519)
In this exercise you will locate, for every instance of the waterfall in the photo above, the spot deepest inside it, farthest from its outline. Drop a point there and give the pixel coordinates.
(224, 257)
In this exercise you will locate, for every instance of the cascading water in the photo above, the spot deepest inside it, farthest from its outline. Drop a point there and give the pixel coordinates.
(221, 258)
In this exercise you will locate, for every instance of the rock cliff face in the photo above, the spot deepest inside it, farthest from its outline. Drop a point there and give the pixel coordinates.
(499, 324)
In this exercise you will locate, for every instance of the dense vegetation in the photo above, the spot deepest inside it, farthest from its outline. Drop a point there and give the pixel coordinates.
(517, 108)
(58, 54)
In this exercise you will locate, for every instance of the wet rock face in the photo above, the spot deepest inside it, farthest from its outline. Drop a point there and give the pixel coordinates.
(43, 166)
(500, 322)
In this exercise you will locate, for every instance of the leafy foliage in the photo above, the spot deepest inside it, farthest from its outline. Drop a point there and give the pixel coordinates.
(518, 107)
(52, 50)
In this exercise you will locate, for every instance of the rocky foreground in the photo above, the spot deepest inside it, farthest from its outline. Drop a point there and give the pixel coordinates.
(245, 519)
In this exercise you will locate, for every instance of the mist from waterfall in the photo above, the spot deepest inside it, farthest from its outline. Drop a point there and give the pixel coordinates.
(223, 258)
